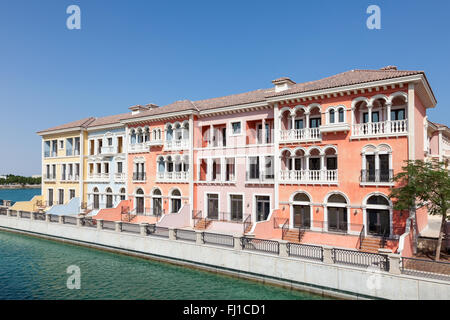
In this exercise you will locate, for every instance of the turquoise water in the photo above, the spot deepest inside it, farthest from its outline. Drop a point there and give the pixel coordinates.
(18, 194)
(33, 268)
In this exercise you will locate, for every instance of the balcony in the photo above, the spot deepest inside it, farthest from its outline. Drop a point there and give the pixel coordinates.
(152, 143)
(176, 144)
(300, 135)
(139, 176)
(137, 147)
(101, 177)
(109, 150)
(376, 129)
(119, 177)
(259, 177)
(50, 177)
(377, 177)
(181, 176)
(309, 176)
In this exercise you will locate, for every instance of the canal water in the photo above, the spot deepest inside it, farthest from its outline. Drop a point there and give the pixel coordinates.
(33, 268)
(19, 194)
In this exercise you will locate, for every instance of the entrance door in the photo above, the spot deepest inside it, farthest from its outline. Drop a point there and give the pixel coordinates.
(262, 207)
(139, 205)
(157, 206)
(302, 217)
(213, 206)
(378, 222)
(337, 219)
(50, 197)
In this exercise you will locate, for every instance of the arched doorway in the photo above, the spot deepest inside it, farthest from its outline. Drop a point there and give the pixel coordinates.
(96, 204)
(378, 213)
(109, 198)
(139, 201)
(175, 201)
(157, 202)
(337, 216)
(301, 211)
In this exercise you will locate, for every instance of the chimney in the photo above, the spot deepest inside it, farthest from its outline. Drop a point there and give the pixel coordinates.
(138, 109)
(282, 84)
(387, 68)
(151, 106)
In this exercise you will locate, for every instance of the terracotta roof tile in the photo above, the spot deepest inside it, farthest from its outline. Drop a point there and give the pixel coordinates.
(109, 119)
(83, 123)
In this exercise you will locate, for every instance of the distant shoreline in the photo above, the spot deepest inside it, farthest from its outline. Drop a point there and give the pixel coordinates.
(19, 186)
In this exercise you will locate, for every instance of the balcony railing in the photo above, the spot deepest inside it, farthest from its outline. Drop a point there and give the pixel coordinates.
(173, 176)
(139, 176)
(309, 176)
(108, 150)
(260, 176)
(176, 144)
(380, 128)
(98, 176)
(157, 142)
(50, 176)
(306, 134)
(119, 176)
(377, 176)
(138, 147)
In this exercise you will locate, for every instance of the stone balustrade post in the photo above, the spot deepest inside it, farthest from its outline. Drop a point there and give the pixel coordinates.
(199, 237)
(79, 219)
(327, 255)
(118, 225)
(61, 219)
(8, 212)
(47, 217)
(237, 243)
(32, 215)
(143, 228)
(284, 252)
(394, 263)
(99, 224)
(19, 214)
(172, 234)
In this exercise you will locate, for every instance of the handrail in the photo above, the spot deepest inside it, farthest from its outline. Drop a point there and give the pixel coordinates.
(284, 229)
(361, 237)
(247, 223)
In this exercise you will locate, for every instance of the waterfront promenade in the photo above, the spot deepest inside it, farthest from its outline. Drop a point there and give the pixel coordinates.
(321, 270)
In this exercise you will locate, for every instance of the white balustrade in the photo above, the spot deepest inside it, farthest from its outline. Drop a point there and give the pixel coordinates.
(176, 144)
(380, 128)
(173, 176)
(309, 176)
(300, 134)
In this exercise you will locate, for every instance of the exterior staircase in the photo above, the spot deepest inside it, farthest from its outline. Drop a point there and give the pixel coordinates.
(371, 244)
(249, 227)
(293, 235)
(202, 224)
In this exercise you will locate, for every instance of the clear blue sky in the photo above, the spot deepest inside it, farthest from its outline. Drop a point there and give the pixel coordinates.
(137, 52)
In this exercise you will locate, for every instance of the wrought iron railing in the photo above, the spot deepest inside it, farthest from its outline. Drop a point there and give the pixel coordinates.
(139, 176)
(425, 268)
(360, 239)
(247, 223)
(377, 175)
(305, 251)
(218, 239)
(360, 259)
(262, 245)
(187, 235)
(130, 227)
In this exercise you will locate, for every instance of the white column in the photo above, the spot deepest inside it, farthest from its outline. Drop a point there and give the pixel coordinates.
(388, 117)
(377, 167)
(191, 166)
(263, 133)
(322, 167)
(411, 104)
(276, 143)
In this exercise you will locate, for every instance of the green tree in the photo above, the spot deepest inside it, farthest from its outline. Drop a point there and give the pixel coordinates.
(423, 184)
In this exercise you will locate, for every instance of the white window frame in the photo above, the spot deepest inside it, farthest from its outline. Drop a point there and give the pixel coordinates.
(232, 134)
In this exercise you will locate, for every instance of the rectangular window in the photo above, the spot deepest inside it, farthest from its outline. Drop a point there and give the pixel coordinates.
(314, 122)
(224, 137)
(61, 196)
(299, 124)
(61, 144)
(71, 194)
(269, 167)
(236, 127)
(314, 163)
(230, 170)
(398, 114)
(50, 197)
(370, 168)
(216, 169)
(384, 168)
(236, 205)
(110, 140)
(69, 146)
(119, 167)
(332, 163)
(254, 168)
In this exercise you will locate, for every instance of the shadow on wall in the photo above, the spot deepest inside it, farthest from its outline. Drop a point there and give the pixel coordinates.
(70, 208)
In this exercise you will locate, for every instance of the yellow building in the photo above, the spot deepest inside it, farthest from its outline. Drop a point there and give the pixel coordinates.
(63, 166)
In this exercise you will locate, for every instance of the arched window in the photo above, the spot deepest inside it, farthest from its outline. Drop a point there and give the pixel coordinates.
(301, 197)
(378, 200)
(337, 213)
(332, 116)
(157, 202)
(96, 204)
(122, 194)
(169, 132)
(109, 198)
(161, 165)
(140, 201)
(175, 201)
(341, 114)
